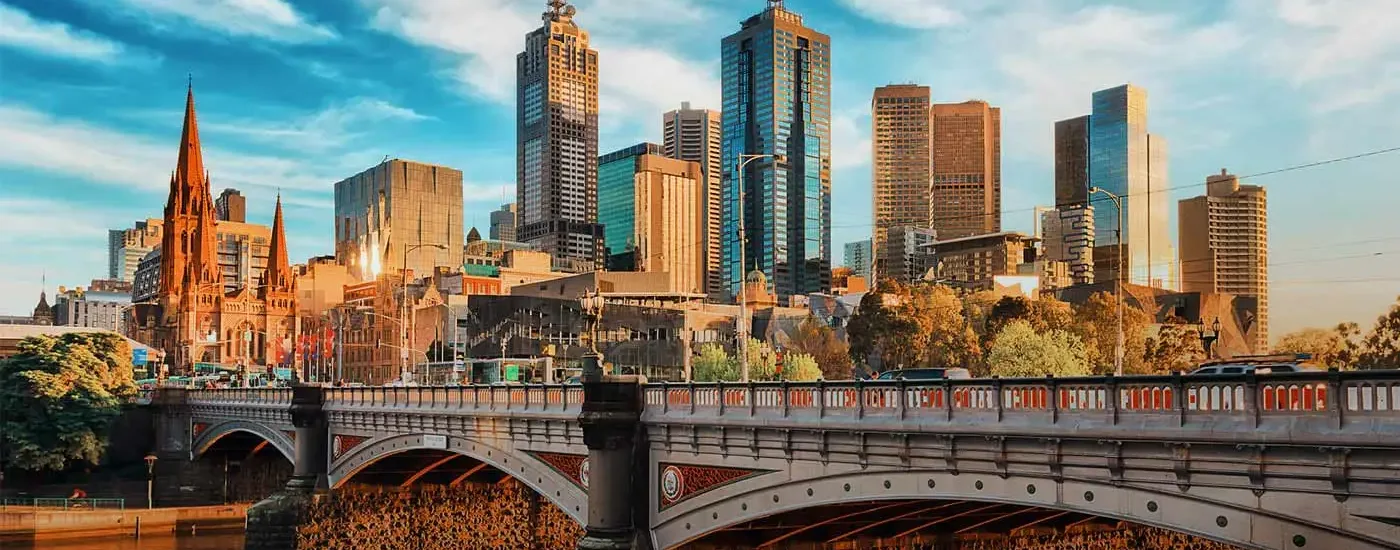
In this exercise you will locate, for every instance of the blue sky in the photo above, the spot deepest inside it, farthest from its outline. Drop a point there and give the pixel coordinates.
(295, 95)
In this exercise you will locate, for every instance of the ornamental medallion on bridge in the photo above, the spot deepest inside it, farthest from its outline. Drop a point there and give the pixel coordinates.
(574, 467)
(679, 482)
(341, 444)
(196, 429)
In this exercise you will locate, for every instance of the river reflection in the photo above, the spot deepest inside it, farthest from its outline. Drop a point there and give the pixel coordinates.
(211, 540)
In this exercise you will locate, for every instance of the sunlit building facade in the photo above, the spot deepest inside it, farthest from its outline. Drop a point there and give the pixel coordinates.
(965, 187)
(694, 135)
(900, 164)
(398, 214)
(776, 80)
(1225, 244)
(557, 142)
(1126, 160)
(617, 200)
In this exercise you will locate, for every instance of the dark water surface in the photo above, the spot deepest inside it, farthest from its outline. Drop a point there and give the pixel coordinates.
(210, 540)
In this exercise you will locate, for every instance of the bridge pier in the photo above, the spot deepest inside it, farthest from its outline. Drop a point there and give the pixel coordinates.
(617, 479)
(273, 522)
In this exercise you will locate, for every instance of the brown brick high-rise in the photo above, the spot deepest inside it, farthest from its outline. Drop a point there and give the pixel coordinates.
(900, 163)
(965, 191)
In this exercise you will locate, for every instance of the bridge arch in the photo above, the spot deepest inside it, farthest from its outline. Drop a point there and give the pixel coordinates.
(533, 473)
(1218, 515)
(213, 434)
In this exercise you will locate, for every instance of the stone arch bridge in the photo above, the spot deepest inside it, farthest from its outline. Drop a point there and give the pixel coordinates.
(1282, 461)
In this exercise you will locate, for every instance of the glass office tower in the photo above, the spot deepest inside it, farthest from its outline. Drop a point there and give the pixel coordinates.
(1124, 159)
(777, 101)
(616, 200)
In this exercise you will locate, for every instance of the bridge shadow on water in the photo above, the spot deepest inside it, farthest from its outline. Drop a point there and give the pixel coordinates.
(944, 525)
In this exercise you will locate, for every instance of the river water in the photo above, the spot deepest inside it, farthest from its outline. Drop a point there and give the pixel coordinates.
(211, 540)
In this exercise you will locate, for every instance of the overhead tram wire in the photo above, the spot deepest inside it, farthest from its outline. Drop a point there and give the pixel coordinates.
(1293, 168)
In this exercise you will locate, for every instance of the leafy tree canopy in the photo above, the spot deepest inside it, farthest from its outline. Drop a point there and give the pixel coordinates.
(800, 367)
(816, 339)
(58, 397)
(1020, 351)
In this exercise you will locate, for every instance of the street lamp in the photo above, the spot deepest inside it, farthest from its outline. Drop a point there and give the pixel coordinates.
(403, 302)
(150, 480)
(1117, 279)
(743, 329)
(1209, 337)
(592, 305)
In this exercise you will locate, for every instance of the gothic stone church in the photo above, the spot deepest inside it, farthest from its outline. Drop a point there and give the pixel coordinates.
(198, 316)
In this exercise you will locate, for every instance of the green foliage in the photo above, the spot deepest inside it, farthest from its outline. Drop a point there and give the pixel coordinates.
(713, 365)
(1020, 351)
(816, 339)
(59, 395)
(800, 367)
(763, 361)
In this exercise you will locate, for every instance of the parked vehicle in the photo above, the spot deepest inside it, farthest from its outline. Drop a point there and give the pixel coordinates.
(1258, 364)
(955, 373)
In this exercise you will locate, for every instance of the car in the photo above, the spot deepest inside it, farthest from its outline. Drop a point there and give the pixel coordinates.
(955, 373)
(1258, 364)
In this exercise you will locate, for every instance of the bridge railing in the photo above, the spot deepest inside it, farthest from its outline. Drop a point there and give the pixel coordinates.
(542, 398)
(256, 396)
(1332, 393)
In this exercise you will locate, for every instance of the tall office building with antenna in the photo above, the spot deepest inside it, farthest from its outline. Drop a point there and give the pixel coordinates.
(556, 161)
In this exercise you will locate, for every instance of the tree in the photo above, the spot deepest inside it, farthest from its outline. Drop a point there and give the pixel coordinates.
(1005, 311)
(1177, 347)
(816, 339)
(1048, 313)
(1381, 348)
(800, 367)
(1350, 335)
(1097, 326)
(713, 365)
(942, 334)
(1020, 351)
(1325, 346)
(58, 397)
(763, 361)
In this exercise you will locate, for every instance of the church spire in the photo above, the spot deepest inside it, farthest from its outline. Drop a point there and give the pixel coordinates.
(190, 168)
(279, 272)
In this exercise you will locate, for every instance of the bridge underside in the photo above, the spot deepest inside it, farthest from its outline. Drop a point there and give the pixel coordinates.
(425, 467)
(919, 523)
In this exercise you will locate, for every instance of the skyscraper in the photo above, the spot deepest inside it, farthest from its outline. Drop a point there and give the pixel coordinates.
(557, 141)
(1072, 162)
(1124, 159)
(231, 206)
(777, 101)
(396, 214)
(965, 192)
(901, 163)
(668, 226)
(617, 183)
(1225, 245)
(857, 257)
(503, 223)
(694, 135)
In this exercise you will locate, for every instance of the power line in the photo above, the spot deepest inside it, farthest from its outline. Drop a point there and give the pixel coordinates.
(1163, 190)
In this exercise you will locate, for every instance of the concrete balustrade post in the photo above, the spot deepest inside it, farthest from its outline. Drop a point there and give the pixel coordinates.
(618, 470)
(273, 522)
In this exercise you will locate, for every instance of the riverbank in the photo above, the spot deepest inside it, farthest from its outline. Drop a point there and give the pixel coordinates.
(30, 523)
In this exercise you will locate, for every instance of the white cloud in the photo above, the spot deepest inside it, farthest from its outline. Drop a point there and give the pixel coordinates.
(850, 139)
(40, 141)
(1343, 54)
(491, 193)
(915, 14)
(329, 128)
(639, 78)
(274, 20)
(20, 30)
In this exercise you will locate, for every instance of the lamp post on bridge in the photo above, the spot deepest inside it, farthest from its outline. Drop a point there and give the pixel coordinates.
(1118, 279)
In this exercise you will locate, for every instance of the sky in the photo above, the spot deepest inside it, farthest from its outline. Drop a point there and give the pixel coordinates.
(294, 95)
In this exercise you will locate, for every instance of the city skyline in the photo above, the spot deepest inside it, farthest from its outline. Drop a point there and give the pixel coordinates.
(99, 55)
